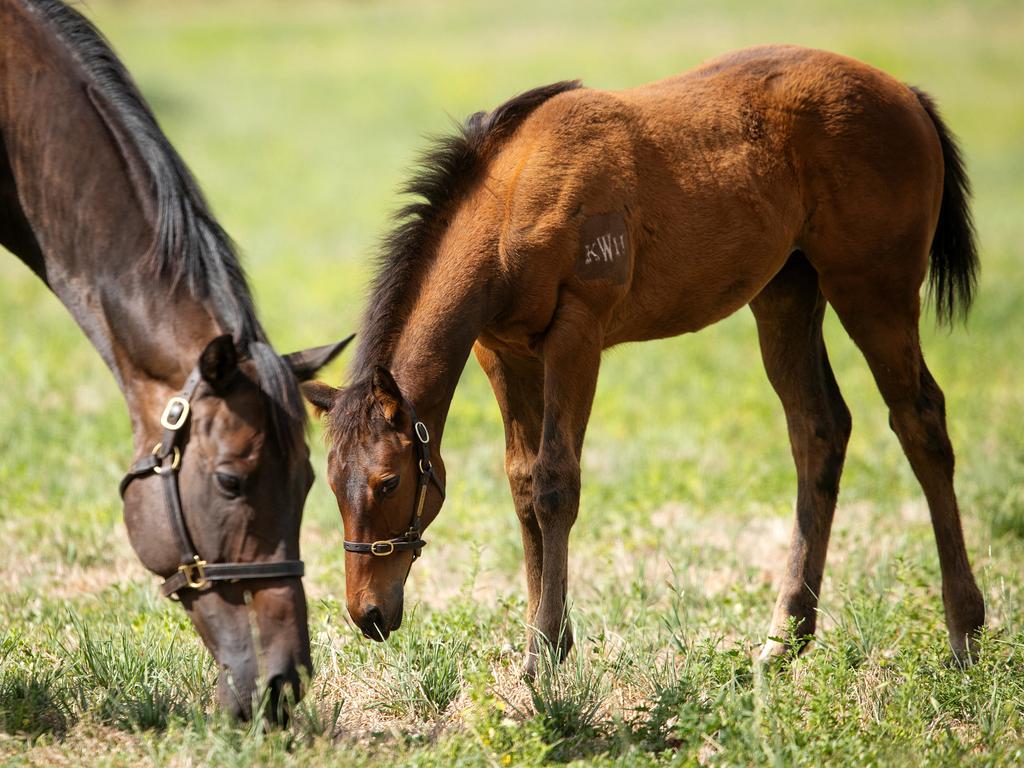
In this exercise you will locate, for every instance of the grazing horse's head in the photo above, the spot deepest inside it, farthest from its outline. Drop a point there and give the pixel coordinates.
(388, 479)
(238, 470)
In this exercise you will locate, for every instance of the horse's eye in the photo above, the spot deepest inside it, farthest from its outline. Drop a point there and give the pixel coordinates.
(229, 485)
(388, 485)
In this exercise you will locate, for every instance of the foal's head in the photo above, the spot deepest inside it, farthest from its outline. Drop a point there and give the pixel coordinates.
(243, 476)
(373, 466)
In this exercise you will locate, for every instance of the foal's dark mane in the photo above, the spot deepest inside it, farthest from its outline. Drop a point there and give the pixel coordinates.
(189, 245)
(444, 171)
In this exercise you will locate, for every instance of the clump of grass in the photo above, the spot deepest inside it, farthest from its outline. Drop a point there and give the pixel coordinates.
(867, 620)
(567, 699)
(318, 715)
(693, 696)
(131, 684)
(422, 675)
(314, 717)
(656, 726)
(33, 701)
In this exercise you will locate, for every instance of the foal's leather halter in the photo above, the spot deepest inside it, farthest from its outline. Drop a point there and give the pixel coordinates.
(411, 539)
(165, 461)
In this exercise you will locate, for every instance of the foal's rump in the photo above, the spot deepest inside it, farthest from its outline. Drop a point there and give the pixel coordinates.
(808, 150)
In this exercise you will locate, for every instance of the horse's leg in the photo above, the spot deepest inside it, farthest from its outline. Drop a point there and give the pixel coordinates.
(789, 313)
(572, 357)
(882, 319)
(518, 385)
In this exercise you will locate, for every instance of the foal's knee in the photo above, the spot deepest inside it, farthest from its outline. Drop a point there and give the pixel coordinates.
(520, 480)
(556, 493)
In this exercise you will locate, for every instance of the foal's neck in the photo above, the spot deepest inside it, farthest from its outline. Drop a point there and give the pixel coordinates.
(436, 340)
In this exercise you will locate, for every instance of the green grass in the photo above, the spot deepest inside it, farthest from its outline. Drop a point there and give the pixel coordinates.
(301, 119)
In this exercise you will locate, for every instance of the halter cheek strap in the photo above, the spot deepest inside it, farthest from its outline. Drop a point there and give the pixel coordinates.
(412, 539)
(165, 461)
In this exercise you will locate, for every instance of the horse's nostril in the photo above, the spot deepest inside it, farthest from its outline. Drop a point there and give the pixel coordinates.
(373, 624)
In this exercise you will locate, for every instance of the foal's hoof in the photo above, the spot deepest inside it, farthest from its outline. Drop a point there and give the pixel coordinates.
(776, 651)
(773, 652)
(965, 652)
(541, 655)
(530, 667)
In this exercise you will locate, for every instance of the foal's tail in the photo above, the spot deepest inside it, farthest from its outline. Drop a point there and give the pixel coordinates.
(954, 264)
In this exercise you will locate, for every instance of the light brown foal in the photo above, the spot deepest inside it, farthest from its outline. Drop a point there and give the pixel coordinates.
(570, 220)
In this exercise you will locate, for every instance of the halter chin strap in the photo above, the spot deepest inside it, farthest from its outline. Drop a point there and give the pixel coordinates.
(165, 461)
(412, 539)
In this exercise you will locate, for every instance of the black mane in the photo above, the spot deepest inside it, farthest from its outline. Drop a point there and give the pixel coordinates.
(189, 246)
(443, 172)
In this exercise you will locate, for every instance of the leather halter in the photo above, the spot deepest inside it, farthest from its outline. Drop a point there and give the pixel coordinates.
(165, 461)
(412, 538)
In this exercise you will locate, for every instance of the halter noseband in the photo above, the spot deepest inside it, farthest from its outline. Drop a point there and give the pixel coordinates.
(411, 539)
(165, 461)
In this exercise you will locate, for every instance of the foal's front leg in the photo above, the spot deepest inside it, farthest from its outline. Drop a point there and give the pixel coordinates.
(518, 385)
(572, 357)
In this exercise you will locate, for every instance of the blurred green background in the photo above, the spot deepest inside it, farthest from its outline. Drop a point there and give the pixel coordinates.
(300, 120)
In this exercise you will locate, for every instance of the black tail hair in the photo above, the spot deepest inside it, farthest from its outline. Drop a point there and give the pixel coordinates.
(953, 276)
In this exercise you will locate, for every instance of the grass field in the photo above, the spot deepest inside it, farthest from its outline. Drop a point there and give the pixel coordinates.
(300, 120)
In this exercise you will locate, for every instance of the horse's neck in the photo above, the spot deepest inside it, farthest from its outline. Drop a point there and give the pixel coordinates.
(92, 228)
(438, 335)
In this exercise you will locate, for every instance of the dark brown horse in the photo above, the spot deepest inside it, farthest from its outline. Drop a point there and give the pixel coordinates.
(569, 220)
(99, 205)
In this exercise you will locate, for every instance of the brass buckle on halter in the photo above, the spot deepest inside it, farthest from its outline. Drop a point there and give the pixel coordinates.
(195, 576)
(389, 548)
(178, 423)
(175, 462)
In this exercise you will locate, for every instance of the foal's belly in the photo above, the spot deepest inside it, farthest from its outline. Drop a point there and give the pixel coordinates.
(672, 294)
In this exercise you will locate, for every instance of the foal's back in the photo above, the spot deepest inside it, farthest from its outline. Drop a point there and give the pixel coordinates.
(720, 174)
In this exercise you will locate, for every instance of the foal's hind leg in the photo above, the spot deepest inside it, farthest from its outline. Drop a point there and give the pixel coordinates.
(518, 385)
(789, 314)
(882, 319)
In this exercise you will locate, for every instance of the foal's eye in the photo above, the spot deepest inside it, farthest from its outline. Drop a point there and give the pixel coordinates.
(229, 485)
(388, 485)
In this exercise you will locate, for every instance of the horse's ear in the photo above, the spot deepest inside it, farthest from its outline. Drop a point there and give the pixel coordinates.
(307, 362)
(320, 395)
(218, 363)
(387, 394)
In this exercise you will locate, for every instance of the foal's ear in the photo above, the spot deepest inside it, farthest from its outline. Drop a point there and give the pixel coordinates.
(320, 395)
(307, 362)
(387, 394)
(219, 361)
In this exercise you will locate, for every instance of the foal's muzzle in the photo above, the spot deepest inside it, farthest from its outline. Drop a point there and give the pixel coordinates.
(375, 626)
